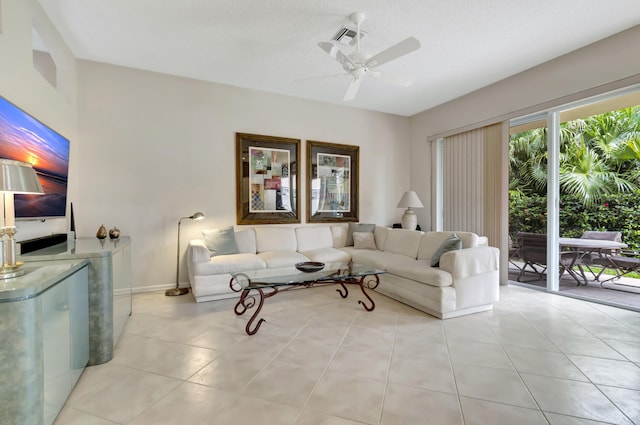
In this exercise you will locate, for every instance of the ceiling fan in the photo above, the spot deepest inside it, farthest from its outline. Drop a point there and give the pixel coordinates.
(358, 66)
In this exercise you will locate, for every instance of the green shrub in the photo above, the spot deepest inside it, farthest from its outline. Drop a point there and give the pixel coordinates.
(620, 212)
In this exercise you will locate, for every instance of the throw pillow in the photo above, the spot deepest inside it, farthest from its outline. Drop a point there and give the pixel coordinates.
(358, 227)
(364, 240)
(221, 241)
(452, 243)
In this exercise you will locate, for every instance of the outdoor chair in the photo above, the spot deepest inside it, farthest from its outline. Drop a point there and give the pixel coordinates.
(600, 259)
(605, 235)
(533, 252)
(514, 254)
(623, 264)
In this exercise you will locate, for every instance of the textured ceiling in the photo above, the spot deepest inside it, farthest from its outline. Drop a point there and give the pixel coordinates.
(271, 45)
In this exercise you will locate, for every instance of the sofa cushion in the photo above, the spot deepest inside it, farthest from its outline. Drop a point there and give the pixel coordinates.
(327, 255)
(469, 239)
(452, 243)
(376, 258)
(403, 242)
(358, 227)
(339, 234)
(367, 257)
(221, 241)
(271, 238)
(380, 235)
(431, 241)
(315, 237)
(364, 240)
(420, 271)
(246, 240)
(281, 258)
(228, 264)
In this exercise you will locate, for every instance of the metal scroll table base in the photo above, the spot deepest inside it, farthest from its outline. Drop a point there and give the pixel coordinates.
(248, 301)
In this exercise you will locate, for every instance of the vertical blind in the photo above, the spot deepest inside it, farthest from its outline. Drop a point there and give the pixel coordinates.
(463, 182)
(474, 183)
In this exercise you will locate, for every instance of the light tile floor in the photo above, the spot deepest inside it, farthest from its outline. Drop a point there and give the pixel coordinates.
(537, 358)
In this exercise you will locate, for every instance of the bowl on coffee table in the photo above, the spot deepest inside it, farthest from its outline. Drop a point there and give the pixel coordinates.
(310, 266)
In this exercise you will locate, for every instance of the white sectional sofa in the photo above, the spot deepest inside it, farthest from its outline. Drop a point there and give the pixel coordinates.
(465, 282)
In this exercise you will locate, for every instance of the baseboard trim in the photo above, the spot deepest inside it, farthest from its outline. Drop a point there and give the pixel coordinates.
(156, 288)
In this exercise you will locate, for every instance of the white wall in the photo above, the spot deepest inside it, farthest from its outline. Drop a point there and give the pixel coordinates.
(156, 148)
(147, 149)
(607, 64)
(151, 148)
(22, 85)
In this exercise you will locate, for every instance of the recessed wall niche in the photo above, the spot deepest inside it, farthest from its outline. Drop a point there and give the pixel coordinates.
(43, 62)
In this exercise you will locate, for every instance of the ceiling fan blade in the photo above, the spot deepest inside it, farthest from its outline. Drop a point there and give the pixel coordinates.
(400, 49)
(398, 80)
(333, 51)
(352, 90)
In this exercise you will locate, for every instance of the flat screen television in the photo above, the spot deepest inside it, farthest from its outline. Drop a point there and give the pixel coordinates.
(24, 138)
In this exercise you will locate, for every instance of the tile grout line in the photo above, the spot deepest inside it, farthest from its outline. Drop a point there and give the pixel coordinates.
(386, 383)
(324, 371)
(523, 309)
(597, 386)
(560, 351)
(240, 392)
(506, 353)
(455, 381)
(567, 357)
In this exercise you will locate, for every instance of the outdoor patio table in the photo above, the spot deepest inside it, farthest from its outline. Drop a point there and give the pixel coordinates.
(587, 247)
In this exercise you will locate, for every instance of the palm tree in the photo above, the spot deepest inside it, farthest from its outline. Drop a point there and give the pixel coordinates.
(624, 134)
(584, 173)
(599, 155)
(528, 160)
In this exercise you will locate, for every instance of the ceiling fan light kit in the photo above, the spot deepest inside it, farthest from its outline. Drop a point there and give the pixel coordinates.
(348, 36)
(357, 66)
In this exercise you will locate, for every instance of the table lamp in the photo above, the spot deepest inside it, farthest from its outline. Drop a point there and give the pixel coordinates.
(409, 200)
(15, 177)
(178, 290)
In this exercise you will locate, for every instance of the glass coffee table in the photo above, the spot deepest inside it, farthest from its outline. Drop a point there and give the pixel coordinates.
(258, 285)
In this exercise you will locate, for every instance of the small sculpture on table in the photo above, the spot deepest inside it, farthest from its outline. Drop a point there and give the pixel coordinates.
(102, 232)
(114, 233)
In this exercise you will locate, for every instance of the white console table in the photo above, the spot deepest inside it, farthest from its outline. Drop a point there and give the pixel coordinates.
(110, 285)
(44, 326)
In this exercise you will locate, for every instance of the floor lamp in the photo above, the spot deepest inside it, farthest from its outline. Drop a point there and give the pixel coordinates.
(178, 290)
(15, 177)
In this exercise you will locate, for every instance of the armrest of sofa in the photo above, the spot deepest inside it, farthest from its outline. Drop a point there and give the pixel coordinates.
(470, 261)
(197, 252)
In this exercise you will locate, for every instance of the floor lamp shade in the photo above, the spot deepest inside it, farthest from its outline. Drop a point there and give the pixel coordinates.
(409, 200)
(178, 290)
(15, 177)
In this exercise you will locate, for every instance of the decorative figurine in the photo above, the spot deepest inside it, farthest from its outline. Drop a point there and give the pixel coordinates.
(114, 233)
(102, 232)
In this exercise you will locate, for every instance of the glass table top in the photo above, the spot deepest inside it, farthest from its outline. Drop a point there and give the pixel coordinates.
(265, 278)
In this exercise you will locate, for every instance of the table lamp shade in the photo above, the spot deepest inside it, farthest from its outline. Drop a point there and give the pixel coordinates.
(18, 177)
(410, 200)
(15, 177)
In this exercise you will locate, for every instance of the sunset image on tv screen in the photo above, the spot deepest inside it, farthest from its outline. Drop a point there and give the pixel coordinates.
(24, 138)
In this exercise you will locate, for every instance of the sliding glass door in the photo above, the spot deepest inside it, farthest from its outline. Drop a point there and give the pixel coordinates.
(528, 200)
(575, 171)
